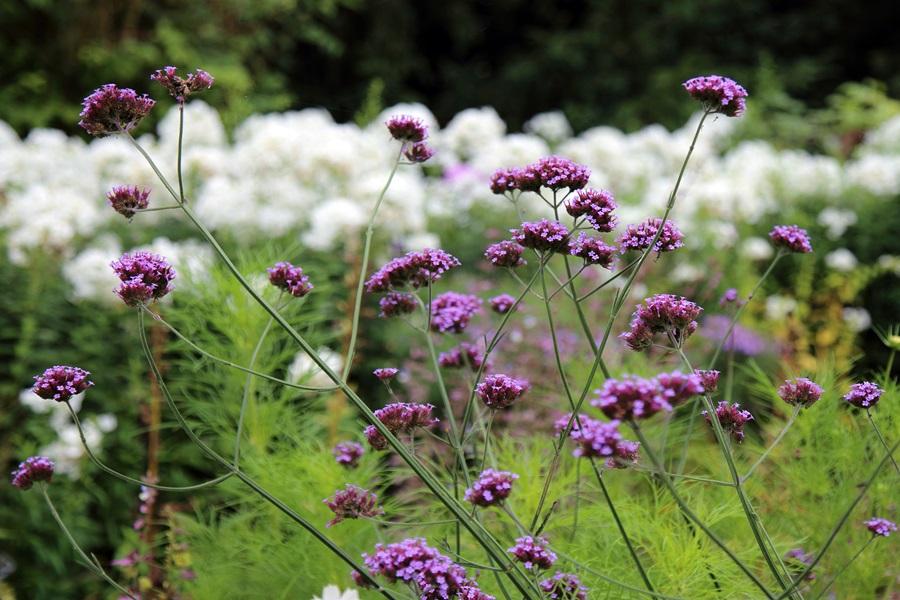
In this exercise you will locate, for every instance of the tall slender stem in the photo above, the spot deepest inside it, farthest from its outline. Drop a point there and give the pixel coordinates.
(180, 140)
(774, 443)
(843, 568)
(245, 396)
(881, 439)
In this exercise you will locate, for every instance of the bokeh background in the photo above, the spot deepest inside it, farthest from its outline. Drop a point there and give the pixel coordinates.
(286, 153)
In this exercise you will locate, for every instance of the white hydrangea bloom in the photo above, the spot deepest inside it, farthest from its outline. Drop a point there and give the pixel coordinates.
(857, 319)
(304, 370)
(779, 307)
(467, 132)
(333, 592)
(875, 173)
(552, 126)
(836, 221)
(841, 260)
(90, 274)
(757, 248)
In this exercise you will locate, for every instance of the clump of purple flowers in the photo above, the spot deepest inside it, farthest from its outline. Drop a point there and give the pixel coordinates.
(594, 438)
(415, 268)
(347, 454)
(596, 206)
(32, 469)
(385, 373)
(394, 304)
(464, 355)
(406, 128)
(558, 173)
(677, 387)
(543, 236)
(418, 152)
(864, 395)
(593, 250)
(182, 87)
(61, 382)
(505, 180)
(718, 94)
(791, 238)
(111, 109)
(502, 304)
(289, 278)
(729, 297)
(663, 313)
(145, 276)
(452, 311)
(500, 391)
(732, 419)
(128, 199)
(709, 379)
(798, 560)
(533, 553)
(400, 417)
(638, 398)
(640, 236)
(881, 527)
(800, 392)
(505, 254)
(352, 502)
(564, 586)
(491, 488)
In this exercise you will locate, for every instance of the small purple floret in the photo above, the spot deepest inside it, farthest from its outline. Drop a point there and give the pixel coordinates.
(500, 391)
(352, 502)
(61, 382)
(111, 109)
(864, 395)
(128, 199)
(640, 236)
(800, 392)
(596, 206)
(543, 236)
(732, 419)
(400, 417)
(347, 454)
(533, 552)
(718, 94)
(452, 311)
(145, 276)
(491, 488)
(593, 250)
(502, 304)
(791, 238)
(406, 128)
(32, 469)
(881, 527)
(505, 254)
(182, 87)
(289, 278)
(564, 586)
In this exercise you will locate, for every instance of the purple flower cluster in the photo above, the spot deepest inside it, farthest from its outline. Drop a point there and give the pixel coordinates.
(732, 419)
(718, 94)
(881, 527)
(792, 238)
(111, 109)
(502, 304)
(414, 562)
(182, 87)
(593, 250)
(289, 278)
(640, 236)
(500, 391)
(864, 395)
(145, 276)
(637, 398)
(32, 469)
(394, 304)
(800, 392)
(415, 268)
(452, 311)
(552, 172)
(127, 199)
(406, 128)
(385, 373)
(347, 454)
(709, 379)
(663, 313)
(564, 586)
(400, 417)
(505, 254)
(596, 206)
(729, 297)
(465, 355)
(61, 382)
(543, 236)
(797, 560)
(352, 502)
(418, 152)
(491, 488)
(594, 438)
(533, 553)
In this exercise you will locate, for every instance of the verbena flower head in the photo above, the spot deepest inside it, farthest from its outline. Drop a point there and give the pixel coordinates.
(61, 382)
(472, 592)
(709, 378)
(127, 199)
(400, 417)
(792, 238)
(182, 87)
(662, 313)
(500, 391)
(491, 488)
(502, 304)
(677, 387)
(729, 297)
(595, 439)
(418, 152)
(347, 454)
(415, 268)
(505, 254)
(505, 180)
(145, 276)
(452, 311)
(385, 373)
(797, 560)
(732, 419)
(630, 398)
(352, 502)
(289, 278)
(564, 586)
(640, 236)
(543, 236)
(800, 392)
(557, 173)
(864, 395)
(718, 94)
(533, 553)
(111, 109)
(465, 355)
(32, 469)
(406, 128)
(414, 562)
(881, 527)
(596, 206)
(394, 304)
(593, 250)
